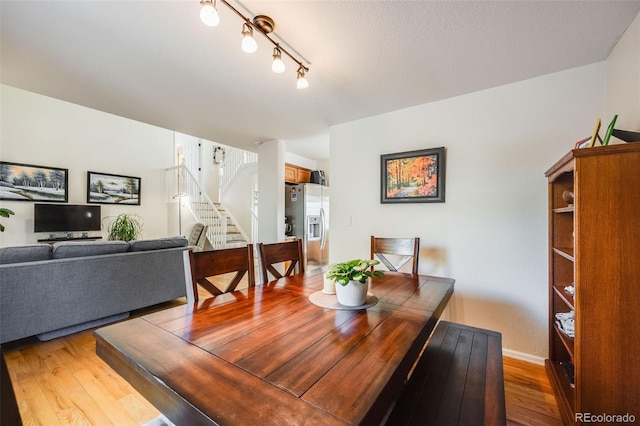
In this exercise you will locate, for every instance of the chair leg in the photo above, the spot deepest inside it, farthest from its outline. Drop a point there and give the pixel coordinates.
(191, 290)
(194, 289)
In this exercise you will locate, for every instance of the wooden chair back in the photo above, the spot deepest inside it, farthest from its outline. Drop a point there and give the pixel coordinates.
(273, 254)
(408, 248)
(206, 264)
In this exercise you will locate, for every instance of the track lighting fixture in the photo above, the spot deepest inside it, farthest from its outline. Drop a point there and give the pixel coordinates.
(264, 25)
(249, 44)
(302, 81)
(209, 13)
(277, 66)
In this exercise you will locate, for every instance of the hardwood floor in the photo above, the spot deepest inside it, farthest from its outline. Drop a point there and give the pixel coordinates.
(528, 394)
(63, 382)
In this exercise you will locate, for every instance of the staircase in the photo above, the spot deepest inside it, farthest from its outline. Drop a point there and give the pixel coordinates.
(222, 229)
(220, 225)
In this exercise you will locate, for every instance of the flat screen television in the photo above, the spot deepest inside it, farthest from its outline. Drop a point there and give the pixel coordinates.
(66, 218)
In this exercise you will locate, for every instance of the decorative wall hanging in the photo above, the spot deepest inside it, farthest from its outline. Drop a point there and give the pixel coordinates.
(26, 182)
(104, 188)
(413, 176)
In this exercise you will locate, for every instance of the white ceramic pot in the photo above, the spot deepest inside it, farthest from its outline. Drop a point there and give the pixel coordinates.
(352, 294)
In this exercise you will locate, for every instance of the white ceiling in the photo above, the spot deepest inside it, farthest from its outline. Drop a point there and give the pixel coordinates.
(155, 62)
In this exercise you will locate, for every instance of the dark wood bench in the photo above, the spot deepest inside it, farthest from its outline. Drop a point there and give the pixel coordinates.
(457, 381)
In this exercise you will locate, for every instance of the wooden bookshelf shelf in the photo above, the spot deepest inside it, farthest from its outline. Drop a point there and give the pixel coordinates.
(565, 252)
(564, 295)
(566, 340)
(595, 243)
(562, 386)
(568, 209)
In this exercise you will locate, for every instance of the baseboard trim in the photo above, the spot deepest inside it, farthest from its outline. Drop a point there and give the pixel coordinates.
(523, 356)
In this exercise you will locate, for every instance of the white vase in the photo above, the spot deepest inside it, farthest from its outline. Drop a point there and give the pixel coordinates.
(352, 294)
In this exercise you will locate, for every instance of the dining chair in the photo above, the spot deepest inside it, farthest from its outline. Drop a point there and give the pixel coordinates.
(212, 263)
(276, 253)
(405, 249)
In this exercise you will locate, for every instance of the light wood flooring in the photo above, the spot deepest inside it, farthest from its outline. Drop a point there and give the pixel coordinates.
(528, 394)
(63, 382)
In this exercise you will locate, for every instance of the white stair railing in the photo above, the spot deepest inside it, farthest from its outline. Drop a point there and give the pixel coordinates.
(234, 160)
(183, 184)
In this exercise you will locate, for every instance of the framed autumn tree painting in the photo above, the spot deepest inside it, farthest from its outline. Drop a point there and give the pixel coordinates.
(413, 176)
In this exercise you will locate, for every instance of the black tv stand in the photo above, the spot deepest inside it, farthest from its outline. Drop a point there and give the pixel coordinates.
(58, 239)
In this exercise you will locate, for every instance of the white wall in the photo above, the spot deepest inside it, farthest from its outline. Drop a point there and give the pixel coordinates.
(491, 233)
(298, 160)
(210, 172)
(43, 131)
(623, 81)
(271, 156)
(237, 198)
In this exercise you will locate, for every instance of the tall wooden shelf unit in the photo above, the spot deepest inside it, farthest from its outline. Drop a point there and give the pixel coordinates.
(595, 243)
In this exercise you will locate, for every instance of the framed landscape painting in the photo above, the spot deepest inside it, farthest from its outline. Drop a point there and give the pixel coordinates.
(27, 182)
(413, 176)
(104, 188)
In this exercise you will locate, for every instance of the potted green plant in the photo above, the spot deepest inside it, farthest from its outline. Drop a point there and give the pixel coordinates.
(5, 213)
(352, 277)
(125, 227)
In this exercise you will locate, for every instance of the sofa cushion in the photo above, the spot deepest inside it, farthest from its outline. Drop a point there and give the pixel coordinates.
(157, 243)
(28, 253)
(67, 249)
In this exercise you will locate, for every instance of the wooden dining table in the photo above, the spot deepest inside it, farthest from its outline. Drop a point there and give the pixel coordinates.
(267, 355)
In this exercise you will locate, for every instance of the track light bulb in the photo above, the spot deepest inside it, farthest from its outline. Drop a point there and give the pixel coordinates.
(208, 14)
(302, 81)
(277, 66)
(249, 45)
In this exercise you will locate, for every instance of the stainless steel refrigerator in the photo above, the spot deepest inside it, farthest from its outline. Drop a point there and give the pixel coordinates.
(307, 218)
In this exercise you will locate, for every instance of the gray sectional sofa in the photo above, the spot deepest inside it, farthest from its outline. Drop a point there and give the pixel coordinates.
(53, 290)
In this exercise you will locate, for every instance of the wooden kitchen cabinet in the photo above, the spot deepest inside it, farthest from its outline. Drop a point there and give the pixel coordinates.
(290, 173)
(295, 174)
